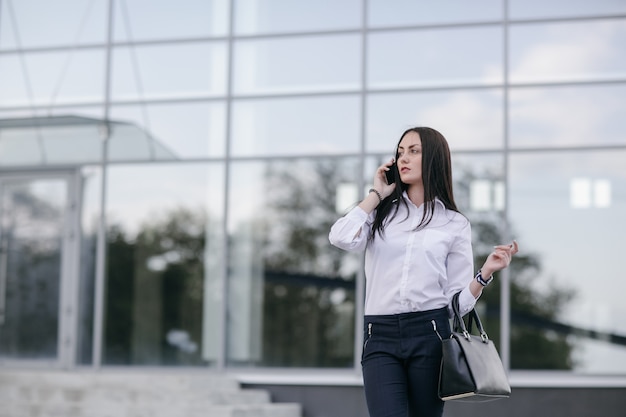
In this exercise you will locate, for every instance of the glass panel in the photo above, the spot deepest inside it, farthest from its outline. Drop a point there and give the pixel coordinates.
(161, 272)
(271, 16)
(435, 57)
(162, 19)
(470, 119)
(50, 78)
(36, 23)
(567, 116)
(411, 12)
(567, 51)
(296, 126)
(291, 294)
(167, 71)
(183, 130)
(567, 210)
(523, 9)
(32, 226)
(297, 64)
(91, 194)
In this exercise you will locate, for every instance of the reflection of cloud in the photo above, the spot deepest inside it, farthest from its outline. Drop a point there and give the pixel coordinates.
(567, 116)
(466, 120)
(572, 51)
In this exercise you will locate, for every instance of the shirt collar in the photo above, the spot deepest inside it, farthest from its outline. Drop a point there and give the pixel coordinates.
(437, 200)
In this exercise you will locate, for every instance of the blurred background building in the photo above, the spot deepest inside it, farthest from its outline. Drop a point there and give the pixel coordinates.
(169, 172)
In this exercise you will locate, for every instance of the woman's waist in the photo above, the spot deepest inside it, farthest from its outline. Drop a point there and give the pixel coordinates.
(393, 302)
(417, 315)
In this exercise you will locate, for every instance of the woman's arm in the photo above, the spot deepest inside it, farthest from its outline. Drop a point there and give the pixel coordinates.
(352, 231)
(497, 260)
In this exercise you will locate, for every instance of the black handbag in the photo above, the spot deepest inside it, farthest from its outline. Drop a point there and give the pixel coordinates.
(471, 368)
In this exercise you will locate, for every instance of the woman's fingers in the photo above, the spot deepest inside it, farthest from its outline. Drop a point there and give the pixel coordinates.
(512, 248)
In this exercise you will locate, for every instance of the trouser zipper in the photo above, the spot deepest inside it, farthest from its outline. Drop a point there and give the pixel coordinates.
(435, 329)
(369, 334)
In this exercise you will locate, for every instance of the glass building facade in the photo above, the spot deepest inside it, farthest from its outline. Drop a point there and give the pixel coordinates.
(169, 173)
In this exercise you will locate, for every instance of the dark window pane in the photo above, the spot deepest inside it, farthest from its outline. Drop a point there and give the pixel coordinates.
(291, 295)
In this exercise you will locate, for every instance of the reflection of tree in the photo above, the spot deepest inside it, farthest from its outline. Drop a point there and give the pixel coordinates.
(309, 308)
(30, 241)
(532, 345)
(155, 291)
(302, 209)
(155, 281)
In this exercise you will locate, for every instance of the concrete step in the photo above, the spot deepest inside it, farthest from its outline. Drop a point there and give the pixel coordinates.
(82, 379)
(255, 410)
(132, 394)
(127, 395)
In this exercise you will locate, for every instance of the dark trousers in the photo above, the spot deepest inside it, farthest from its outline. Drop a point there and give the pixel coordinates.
(401, 359)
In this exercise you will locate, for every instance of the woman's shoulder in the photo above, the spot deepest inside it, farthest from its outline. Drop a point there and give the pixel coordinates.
(452, 217)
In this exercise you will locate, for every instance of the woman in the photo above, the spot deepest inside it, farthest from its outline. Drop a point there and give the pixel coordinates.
(418, 254)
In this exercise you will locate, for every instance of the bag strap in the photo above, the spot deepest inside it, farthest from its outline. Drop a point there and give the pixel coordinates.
(459, 324)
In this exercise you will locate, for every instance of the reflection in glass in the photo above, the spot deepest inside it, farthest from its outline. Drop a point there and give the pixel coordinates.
(524, 9)
(321, 125)
(568, 116)
(273, 16)
(571, 243)
(410, 12)
(50, 78)
(66, 139)
(52, 23)
(435, 57)
(567, 51)
(161, 19)
(32, 227)
(185, 130)
(297, 64)
(291, 294)
(469, 119)
(158, 270)
(165, 71)
(478, 188)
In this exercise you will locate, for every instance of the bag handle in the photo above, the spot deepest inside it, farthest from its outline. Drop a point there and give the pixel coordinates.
(459, 324)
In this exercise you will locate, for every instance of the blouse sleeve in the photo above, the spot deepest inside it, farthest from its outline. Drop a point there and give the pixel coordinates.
(460, 270)
(351, 231)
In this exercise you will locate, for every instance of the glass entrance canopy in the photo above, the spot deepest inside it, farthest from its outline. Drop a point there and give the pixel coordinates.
(75, 140)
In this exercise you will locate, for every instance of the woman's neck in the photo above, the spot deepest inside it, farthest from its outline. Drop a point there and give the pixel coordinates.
(416, 194)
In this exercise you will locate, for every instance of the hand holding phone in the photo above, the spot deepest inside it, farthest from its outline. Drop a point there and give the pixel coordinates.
(391, 174)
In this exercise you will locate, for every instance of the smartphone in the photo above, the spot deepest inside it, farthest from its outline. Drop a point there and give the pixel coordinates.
(391, 174)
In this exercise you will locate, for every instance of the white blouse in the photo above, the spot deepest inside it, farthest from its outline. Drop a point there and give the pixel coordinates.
(408, 270)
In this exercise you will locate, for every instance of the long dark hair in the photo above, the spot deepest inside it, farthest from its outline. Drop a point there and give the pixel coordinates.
(436, 176)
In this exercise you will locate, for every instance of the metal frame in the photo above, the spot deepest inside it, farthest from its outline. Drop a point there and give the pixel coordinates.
(68, 271)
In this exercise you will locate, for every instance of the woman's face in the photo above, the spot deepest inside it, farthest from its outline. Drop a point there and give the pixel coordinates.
(410, 158)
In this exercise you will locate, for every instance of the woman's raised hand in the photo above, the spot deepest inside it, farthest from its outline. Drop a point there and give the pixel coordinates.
(500, 258)
(380, 179)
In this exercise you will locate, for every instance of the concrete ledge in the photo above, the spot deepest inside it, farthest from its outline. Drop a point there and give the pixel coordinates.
(526, 379)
